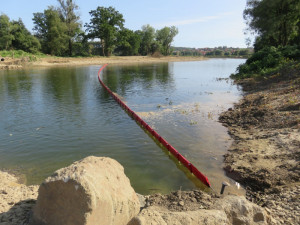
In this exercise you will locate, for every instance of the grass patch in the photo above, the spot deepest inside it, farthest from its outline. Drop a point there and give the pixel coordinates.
(21, 54)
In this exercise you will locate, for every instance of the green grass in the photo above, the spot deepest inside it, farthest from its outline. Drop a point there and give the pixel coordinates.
(20, 54)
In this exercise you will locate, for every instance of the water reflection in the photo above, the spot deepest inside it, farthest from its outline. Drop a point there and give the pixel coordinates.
(65, 84)
(122, 79)
(14, 85)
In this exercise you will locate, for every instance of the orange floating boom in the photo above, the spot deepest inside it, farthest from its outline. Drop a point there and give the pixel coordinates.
(169, 147)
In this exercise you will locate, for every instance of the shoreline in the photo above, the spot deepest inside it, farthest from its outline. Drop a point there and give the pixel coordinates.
(264, 156)
(50, 61)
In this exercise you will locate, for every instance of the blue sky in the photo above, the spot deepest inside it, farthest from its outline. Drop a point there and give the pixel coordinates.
(201, 23)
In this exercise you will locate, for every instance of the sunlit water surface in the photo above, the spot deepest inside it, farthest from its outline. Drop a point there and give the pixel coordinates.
(52, 117)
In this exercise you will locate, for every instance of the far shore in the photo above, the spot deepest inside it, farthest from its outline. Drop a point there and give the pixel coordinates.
(51, 61)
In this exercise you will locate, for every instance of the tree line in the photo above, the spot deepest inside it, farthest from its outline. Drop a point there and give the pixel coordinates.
(58, 31)
(276, 24)
(221, 51)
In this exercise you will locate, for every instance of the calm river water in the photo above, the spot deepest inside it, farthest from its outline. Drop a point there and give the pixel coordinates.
(52, 117)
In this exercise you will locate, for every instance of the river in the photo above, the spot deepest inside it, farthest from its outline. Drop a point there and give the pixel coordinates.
(52, 117)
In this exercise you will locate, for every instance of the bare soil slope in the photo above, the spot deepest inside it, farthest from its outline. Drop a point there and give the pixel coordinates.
(265, 155)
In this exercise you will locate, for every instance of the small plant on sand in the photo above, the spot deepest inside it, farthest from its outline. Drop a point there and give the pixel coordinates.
(210, 115)
(192, 122)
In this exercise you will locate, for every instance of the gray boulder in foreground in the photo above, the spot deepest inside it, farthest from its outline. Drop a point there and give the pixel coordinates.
(92, 191)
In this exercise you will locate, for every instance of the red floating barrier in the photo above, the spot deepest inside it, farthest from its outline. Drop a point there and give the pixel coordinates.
(143, 123)
(173, 151)
(184, 161)
(164, 142)
(148, 128)
(200, 176)
(138, 119)
(156, 135)
(170, 148)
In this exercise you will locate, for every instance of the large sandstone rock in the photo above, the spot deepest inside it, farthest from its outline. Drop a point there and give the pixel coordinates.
(91, 191)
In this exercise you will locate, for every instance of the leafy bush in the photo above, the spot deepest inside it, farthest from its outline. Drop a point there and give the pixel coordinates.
(265, 62)
(291, 51)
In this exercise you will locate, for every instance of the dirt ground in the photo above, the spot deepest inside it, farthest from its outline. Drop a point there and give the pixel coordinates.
(179, 201)
(10, 63)
(16, 200)
(265, 154)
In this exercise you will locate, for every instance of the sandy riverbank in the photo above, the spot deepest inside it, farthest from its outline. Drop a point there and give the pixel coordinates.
(50, 61)
(264, 157)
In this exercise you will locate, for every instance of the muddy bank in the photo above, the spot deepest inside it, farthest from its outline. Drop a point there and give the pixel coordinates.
(264, 157)
(25, 62)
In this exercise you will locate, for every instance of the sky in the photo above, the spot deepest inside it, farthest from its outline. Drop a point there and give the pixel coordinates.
(201, 23)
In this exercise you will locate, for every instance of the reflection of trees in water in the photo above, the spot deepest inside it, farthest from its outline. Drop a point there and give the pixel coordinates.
(65, 84)
(64, 88)
(122, 78)
(16, 84)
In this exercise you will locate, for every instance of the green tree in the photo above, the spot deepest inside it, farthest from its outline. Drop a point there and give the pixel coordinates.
(23, 40)
(105, 25)
(218, 52)
(276, 22)
(71, 18)
(165, 37)
(81, 46)
(128, 42)
(147, 39)
(51, 31)
(244, 52)
(5, 32)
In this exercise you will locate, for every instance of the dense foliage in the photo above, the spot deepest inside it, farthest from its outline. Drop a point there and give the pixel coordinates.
(68, 11)
(14, 35)
(51, 32)
(275, 21)
(277, 26)
(165, 37)
(105, 24)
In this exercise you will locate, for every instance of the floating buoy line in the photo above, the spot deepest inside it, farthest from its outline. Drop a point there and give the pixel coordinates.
(156, 136)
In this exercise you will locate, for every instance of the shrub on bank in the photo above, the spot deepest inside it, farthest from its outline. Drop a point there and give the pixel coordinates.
(267, 61)
(20, 53)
